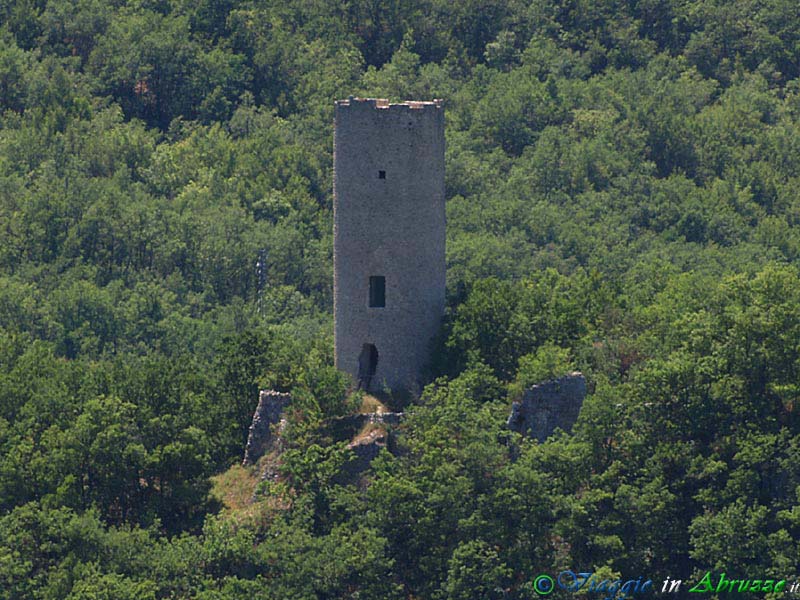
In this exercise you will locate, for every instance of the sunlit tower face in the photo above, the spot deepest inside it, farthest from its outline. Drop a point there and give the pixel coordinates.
(389, 239)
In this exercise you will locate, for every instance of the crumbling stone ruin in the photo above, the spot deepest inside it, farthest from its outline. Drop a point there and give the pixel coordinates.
(268, 412)
(389, 239)
(543, 408)
(547, 406)
(367, 435)
(365, 450)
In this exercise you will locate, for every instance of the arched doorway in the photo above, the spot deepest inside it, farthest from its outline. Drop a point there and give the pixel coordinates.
(367, 365)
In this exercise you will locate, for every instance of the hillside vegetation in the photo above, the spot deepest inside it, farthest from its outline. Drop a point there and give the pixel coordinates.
(623, 198)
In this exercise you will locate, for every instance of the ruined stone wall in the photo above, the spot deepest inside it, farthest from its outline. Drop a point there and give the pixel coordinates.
(389, 220)
(549, 405)
(268, 412)
(269, 426)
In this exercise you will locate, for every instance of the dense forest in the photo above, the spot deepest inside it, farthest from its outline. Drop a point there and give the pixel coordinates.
(623, 198)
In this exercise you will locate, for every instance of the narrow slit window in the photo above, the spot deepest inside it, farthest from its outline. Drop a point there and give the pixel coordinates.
(377, 291)
(381, 174)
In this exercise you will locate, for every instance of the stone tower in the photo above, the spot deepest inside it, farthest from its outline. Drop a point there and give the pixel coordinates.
(389, 239)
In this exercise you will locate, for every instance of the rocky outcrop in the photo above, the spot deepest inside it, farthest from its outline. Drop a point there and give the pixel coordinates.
(268, 424)
(380, 434)
(341, 428)
(365, 450)
(269, 411)
(548, 406)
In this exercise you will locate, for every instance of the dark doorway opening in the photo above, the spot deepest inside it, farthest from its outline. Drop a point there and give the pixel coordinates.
(367, 365)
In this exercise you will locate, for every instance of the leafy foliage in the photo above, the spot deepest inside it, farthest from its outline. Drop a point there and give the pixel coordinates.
(622, 199)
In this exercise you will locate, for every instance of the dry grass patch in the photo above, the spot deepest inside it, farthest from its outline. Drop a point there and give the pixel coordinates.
(235, 487)
(371, 404)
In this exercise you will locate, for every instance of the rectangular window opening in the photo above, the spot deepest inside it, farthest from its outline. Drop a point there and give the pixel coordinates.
(381, 174)
(377, 291)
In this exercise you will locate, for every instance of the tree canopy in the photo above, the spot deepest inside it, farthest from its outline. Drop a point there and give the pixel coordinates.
(623, 198)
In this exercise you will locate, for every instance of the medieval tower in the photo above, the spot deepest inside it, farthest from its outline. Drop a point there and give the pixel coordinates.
(389, 239)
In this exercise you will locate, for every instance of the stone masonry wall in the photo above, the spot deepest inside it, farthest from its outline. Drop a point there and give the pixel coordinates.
(389, 220)
(549, 405)
(269, 411)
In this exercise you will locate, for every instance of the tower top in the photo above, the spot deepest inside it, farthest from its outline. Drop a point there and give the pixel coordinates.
(384, 104)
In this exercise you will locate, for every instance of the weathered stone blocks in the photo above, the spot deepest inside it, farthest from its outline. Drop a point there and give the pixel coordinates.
(549, 405)
(389, 239)
(268, 412)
